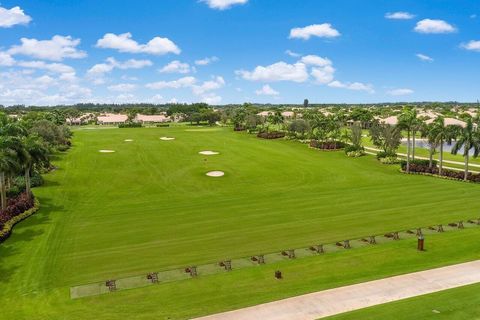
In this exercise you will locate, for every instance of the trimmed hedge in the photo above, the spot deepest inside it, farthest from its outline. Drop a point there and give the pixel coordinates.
(130, 125)
(327, 145)
(8, 226)
(421, 167)
(271, 135)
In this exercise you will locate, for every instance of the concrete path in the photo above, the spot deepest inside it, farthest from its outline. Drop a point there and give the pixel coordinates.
(424, 158)
(334, 301)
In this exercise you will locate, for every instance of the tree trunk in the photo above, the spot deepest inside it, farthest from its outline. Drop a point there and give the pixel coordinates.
(28, 183)
(466, 168)
(3, 191)
(441, 158)
(408, 151)
(430, 160)
(413, 145)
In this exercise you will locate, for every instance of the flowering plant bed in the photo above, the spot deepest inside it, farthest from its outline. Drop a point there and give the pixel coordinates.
(6, 225)
(271, 135)
(327, 145)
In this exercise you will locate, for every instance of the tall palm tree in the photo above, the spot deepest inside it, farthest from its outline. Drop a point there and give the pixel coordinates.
(441, 134)
(468, 139)
(408, 121)
(8, 164)
(32, 151)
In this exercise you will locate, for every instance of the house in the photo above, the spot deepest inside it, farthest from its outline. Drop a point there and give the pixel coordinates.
(111, 118)
(158, 118)
(83, 119)
(392, 120)
(450, 122)
(265, 113)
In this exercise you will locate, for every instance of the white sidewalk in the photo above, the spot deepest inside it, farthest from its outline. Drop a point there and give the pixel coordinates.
(334, 301)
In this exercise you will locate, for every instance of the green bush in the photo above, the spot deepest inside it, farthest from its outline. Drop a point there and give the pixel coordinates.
(130, 125)
(389, 160)
(163, 125)
(356, 153)
(14, 191)
(36, 180)
(383, 154)
(351, 148)
(418, 162)
(63, 147)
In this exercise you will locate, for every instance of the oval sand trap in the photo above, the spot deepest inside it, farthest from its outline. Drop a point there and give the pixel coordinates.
(106, 151)
(128, 140)
(208, 152)
(215, 173)
(167, 138)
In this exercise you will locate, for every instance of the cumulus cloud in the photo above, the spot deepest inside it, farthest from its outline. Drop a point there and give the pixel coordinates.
(13, 16)
(280, 71)
(122, 87)
(434, 26)
(184, 82)
(323, 30)
(56, 49)
(211, 98)
(266, 90)
(176, 67)
(400, 92)
(223, 4)
(357, 86)
(206, 61)
(53, 67)
(111, 63)
(399, 15)
(473, 45)
(124, 43)
(217, 83)
(6, 60)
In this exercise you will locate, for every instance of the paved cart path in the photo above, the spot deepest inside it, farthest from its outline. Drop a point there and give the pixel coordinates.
(334, 301)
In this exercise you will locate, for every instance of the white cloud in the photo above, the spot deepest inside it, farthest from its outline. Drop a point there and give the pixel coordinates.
(316, 61)
(6, 60)
(11, 17)
(400, 92)
(217, 83)
(323, 30)
(266, 90)
(322, 71)
(124, 43)
(424, 57)
(211, 98)
(473, 45)
(206, 61)
(279, 71)
(400, 15)
(223, 4)
(357, 86)
(184, 82)
(434, 26)
(122, 87)
(176, 67)
(111, 63)
(53, 67)
(56, 49)
(292, 54)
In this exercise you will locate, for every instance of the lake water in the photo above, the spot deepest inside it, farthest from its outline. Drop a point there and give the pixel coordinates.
(447, 148)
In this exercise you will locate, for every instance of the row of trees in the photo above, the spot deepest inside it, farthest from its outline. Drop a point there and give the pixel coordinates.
(25, 147)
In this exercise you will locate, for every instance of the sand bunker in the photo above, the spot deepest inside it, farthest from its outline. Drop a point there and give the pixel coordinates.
(215, 173)
(167, 138)
(208, 152)
(106, 151)
(128, 140)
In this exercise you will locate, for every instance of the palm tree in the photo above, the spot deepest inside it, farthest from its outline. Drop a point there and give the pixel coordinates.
(429, 133)
(468, 139)
(32, 151)
(408, 121)
(8, 164)
(441, 134)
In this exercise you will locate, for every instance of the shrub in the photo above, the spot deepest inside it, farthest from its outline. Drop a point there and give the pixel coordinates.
(130, 125)
(389, 160)
(271, 135)
(63, 147)
(327, 145)
(14, 191)
(36, 180)
(356, 154)
(418, 163)
(163, 125)
(384, 154)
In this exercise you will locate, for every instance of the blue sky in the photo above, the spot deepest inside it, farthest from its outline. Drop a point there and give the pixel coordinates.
(233, 51)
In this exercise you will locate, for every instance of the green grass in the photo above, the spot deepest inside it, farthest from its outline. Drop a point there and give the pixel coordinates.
(149, 206)
(453, 304)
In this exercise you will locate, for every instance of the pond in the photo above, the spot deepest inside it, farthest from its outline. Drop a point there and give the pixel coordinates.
(422, 143)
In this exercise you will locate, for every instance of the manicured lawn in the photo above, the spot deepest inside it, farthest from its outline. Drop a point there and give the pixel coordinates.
(149, 207)
(456, 304)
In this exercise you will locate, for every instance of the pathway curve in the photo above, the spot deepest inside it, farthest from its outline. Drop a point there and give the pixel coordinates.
(334, 301)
